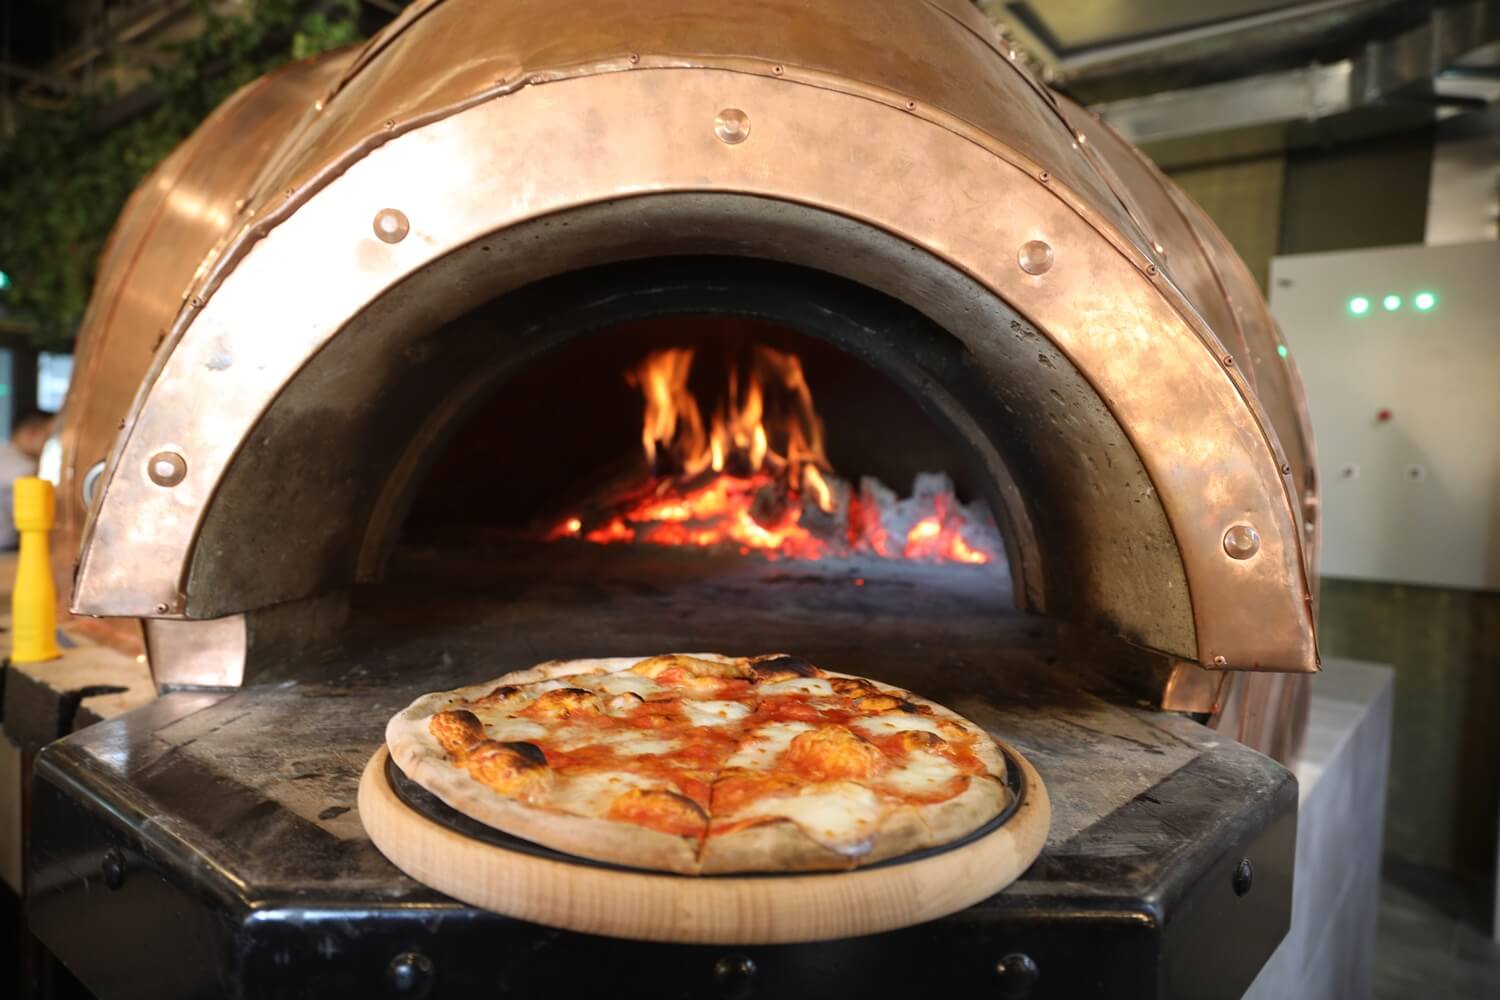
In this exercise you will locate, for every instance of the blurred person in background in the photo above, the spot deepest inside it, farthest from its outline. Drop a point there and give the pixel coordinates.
(18, 457)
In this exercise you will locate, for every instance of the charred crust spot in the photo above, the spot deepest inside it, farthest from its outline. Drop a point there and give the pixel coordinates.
(501, 694)
(514, 758)
(563, 703)
(662, 810)
(682, 801)
(916, 739)
(527, 751)
(780, 668)
(852, 687)
(456, 730)
(624, 701)
(515, 769)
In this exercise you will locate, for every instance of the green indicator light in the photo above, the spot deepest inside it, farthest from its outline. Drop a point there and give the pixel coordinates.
(1359, 305)
(1281, 350)
(4, 281)
(1391, 303)
(1424, 301)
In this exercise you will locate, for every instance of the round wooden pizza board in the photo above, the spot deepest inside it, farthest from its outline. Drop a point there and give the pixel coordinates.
(720, 909)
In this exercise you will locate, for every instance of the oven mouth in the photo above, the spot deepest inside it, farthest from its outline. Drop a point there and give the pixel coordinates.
(430, 807)
(553, 433)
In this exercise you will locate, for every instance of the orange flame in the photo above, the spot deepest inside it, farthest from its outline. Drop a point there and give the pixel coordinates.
(750, 479)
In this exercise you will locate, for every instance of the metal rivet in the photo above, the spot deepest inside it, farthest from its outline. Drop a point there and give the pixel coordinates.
(1152, 270)
(778, 70)
(161, 609)
(1044, 177)
(1160, 250)
(732, 126)
(1228, 362)
(389, 124)
(1286, 469)
(635, 57)
(196, 302)
(1082, 139)
(1244, 877)
(166, 468)
(113, 868)
(410, 974)
(1241, 541)
(1018, 976)
(1221, 661)
(1035, 257)
(91, 482)
(391, 225)
(733, 974)
(911, 105)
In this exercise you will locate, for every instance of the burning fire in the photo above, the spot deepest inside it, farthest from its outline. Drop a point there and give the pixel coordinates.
(756, 478)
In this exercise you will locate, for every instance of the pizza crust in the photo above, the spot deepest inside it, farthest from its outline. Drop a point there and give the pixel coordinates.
(420, 759)
(779, 844)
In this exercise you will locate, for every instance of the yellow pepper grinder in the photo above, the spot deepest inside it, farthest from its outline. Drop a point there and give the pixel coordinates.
(33, 601)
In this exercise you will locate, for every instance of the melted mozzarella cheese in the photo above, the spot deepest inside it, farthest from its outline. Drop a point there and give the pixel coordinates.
(715, 713)
(898, 722)
(923, 774)
(628, 742)
(498, 726)
(591, 794)
(644, 746)
(761, 748)
(842, 816)
(798, 685)
(621, 684)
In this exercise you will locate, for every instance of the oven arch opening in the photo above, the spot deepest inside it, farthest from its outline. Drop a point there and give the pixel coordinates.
(1059, 519)
(518, 442)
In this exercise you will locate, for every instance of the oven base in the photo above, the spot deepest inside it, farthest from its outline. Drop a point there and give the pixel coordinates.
(208, 845)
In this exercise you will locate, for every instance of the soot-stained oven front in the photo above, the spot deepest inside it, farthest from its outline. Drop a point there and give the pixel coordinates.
(501, 340)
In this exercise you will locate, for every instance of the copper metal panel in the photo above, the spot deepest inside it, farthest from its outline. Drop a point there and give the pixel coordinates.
(165, 237)
(451, 54)
(1200, 260)
(1278, 384)
(1187, 413)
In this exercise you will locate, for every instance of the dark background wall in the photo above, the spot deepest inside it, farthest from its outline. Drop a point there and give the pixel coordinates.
(1444, 644)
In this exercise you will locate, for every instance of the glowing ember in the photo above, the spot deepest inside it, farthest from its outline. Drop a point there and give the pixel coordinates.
(757, 480)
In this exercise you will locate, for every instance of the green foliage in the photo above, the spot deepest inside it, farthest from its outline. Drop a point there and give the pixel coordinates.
(65, 177)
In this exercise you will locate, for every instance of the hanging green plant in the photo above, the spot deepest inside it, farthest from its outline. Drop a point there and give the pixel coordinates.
(66, 174)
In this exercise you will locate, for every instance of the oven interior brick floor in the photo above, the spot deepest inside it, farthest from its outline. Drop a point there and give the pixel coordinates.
(1433, 938)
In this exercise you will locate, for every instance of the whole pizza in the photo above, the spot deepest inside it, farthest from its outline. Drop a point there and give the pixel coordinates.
(704, 763)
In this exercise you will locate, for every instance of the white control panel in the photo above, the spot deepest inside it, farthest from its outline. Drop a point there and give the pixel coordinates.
(1399, 348)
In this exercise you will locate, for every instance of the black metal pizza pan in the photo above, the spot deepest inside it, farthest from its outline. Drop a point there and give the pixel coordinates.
(423, 802)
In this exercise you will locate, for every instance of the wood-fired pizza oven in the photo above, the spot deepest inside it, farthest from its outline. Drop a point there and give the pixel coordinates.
(369, 329)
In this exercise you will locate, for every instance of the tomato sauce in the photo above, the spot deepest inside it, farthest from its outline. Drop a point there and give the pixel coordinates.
(792, 708)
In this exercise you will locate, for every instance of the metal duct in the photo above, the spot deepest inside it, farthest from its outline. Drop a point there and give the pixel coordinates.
(1402, 71)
